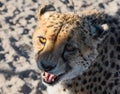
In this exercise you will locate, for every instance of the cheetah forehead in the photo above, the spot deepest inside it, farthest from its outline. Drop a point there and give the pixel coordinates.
(58, 24)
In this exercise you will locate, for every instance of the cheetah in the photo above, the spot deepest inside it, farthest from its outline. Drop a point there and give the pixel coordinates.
(78, 53)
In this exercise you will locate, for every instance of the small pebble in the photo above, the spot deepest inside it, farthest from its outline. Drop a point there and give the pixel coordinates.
(1, 4)
(101, 5)
(64, 1)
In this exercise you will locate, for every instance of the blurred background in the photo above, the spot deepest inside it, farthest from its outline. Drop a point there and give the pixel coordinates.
(18, 69)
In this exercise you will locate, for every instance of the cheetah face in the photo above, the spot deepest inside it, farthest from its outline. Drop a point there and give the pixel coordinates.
(63, 48)
(59, 56)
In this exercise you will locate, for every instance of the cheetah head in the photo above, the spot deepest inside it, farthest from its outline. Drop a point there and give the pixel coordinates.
(64, 44)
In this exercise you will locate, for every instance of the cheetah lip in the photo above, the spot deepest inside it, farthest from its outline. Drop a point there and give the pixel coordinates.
(50, 78)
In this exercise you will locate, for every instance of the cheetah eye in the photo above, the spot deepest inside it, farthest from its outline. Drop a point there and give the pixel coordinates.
(42, 40)
(69, 47)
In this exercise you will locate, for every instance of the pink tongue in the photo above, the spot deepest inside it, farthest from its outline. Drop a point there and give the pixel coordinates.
(49, 77)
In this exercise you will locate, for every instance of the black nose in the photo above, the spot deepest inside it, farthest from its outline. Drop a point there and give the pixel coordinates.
(47, 66)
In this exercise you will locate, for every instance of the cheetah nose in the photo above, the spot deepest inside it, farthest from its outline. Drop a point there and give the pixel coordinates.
(47, 66)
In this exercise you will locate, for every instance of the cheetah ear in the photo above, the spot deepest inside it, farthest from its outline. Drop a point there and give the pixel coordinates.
(98, 31)
(44, 9)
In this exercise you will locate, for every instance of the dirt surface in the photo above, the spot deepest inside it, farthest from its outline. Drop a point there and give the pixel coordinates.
(18, 69)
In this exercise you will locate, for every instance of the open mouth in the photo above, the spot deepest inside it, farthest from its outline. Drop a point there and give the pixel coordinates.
(51, 78)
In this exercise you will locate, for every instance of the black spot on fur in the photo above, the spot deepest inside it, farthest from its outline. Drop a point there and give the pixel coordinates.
(116, 74)
(118, 67)
(111, 54)
(116, 92)
(84, 73)
(87, 87)
(112, 64)
(82, 89)
(100, 69)
(106, 63)
(64, 89)
(118, 40)
(84, 81)
(76, 91)
(104, 92)
(111, 85)
(115, 20)
(94, 79)
(99, 79)
(104, 73)
(89, 73)
(94, 72)
(69, 85)
(112, 41)
(76, 84)
(100, 88)
(108, 75)
(95, 89)
(116, 81)
(101, 53)
(89, 80)
(103, 83)
(91, 86)
(112, 29)
(118, 48)
(106, 49)
(103, 57)
(90, 92)
(118, 57)
(79, 78)
(116, 34)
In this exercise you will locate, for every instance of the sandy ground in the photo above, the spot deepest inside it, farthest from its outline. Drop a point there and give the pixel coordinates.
(18, 69)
